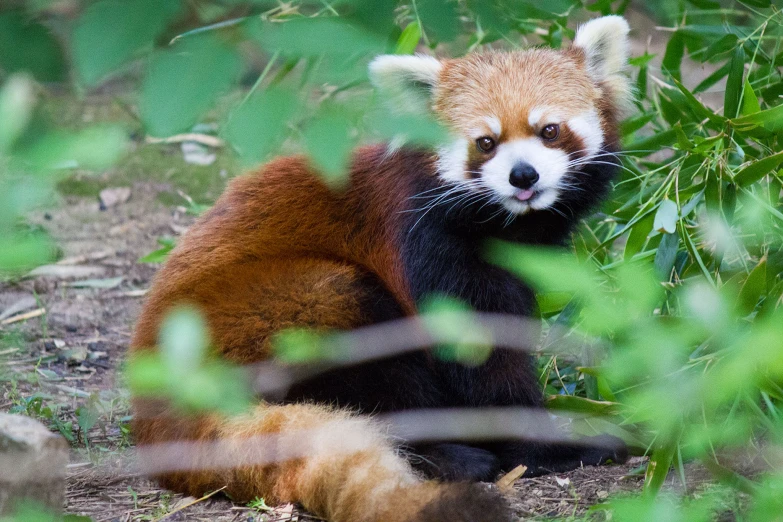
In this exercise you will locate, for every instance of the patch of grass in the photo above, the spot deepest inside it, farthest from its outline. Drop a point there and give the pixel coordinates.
(81, 185)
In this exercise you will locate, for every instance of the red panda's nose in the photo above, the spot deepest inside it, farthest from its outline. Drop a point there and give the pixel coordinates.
(523, 176)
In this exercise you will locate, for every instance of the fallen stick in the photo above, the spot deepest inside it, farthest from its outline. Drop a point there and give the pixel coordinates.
(205, 497)
(22, 317)
(505, 482)
(204, 139)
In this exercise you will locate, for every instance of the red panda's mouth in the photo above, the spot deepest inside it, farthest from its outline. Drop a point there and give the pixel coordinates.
(525, 195)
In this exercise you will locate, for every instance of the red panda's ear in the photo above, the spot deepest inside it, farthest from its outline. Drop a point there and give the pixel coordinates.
(408, 82)
(604, 42)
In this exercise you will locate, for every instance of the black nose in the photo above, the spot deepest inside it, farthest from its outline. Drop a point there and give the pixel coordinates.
(523, 176)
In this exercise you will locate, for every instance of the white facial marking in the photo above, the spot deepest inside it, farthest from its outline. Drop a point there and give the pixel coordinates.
(452, 160)
(551, 165)
(537, 114)
(588, 127)
(494, 125)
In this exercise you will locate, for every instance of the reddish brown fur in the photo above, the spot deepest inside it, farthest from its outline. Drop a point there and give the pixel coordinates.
(281, 249)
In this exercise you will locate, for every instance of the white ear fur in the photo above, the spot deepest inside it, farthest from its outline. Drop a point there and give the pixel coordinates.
(408, 81)
(605, 44)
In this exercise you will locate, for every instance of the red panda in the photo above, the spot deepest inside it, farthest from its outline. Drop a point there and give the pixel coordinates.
(533, 150)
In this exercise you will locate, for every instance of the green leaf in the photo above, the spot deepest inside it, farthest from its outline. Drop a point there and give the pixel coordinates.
(658, 468)
(439, 18)
(29, 46)
(638, 236)
(721, 45)
(134, 25)
(258, 127)
(753, 288)
(329, 144)
(750, 102)
(93, 148)
(551, 303)
(734, 83)
(697, 107)
(647, 146)
(729, 202)
(112, 282)
(183, 341)
(642, 60)
(632, 125)
(758, 169)
(184, 81)
(666, 217)
(757, 3)
(319, 36)
(17, 100)
(409, 39)
(672, 59)
(582, 405)
(770, 119)
(159, 255)
(666, 254)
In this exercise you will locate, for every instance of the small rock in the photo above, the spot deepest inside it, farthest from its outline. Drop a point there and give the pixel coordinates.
(94, 356)
(197, 154)
(96, 345)
(74, 356)
(602, 494)
(33, 461)
(111, 197)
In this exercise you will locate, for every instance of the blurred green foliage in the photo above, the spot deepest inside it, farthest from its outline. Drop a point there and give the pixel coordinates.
(673, 290)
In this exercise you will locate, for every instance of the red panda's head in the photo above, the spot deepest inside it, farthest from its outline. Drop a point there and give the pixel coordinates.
(524, 123)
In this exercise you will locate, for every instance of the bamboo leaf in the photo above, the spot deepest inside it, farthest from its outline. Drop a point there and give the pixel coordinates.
(672, 59)
(638, 236)
(134, 23)
(697, 107)
(734, 83)
(658, 468)
(770, 119)
(409, 39)
(750, 102)
(753, 288)
(666, 217)
(666, 254)
(582, 405)
(758, 169)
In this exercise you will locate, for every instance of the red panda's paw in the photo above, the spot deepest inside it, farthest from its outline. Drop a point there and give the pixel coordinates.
(467, 502)
(455, 462)
(604, 449)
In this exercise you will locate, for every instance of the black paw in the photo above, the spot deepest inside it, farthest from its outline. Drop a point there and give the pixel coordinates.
(467, 503)
(455, 462)
(592, 451)
(604, 449)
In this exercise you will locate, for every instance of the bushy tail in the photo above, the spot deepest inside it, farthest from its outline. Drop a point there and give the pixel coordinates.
(337, 465)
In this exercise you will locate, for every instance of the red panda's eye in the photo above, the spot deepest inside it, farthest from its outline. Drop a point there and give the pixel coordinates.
(550, 132)
(485, 144)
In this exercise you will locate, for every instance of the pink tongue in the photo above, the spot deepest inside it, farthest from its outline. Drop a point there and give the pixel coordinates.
(524, 195)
